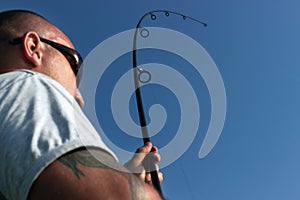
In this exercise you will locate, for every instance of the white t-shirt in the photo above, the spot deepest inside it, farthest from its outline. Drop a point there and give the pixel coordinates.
(39, 122)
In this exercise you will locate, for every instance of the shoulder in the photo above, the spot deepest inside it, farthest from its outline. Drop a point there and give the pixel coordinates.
(26, 95)
(39, 122)
(29, 82)
(28, 89)
(14, 77)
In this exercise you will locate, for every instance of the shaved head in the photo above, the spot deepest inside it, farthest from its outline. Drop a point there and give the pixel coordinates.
(32, 53)
(17, 22)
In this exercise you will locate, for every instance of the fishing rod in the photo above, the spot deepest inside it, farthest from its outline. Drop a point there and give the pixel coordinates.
(137, 72)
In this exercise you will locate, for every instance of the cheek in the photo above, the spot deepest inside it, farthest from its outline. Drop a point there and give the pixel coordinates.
(60, 70)
(69, 81)
(67, 76)
(62, 74)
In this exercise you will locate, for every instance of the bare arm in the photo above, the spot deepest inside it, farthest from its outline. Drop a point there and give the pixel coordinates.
(80, 175)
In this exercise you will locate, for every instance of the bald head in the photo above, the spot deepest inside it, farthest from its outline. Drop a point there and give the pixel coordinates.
(15, 23)
(31, 52)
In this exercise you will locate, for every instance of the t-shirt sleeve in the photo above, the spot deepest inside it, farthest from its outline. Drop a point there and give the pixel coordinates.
(39, 122)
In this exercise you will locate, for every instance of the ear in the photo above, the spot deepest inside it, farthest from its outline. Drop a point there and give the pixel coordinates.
(32, 48)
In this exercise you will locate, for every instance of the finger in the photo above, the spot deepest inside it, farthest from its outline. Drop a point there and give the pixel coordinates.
(148, 178)
(156, 157)
(136, 169)
(154, 149)
(160, 177)
(145, 149)
(141, 153)
(142, 175)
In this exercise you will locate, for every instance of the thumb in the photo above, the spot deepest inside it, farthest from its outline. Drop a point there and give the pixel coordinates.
(141, 153)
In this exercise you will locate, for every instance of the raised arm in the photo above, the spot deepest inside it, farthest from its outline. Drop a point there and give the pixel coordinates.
(80, 175)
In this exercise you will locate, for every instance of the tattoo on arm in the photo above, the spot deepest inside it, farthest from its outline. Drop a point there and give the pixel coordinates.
(88, 159)
(82, 157)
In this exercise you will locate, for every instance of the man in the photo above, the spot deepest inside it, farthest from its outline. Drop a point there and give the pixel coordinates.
(48, 148)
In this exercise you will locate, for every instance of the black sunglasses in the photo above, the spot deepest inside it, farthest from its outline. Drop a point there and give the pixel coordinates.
(73, 57)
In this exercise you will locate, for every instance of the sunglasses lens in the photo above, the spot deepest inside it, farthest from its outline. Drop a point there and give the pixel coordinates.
(75, 62)
(71, 55)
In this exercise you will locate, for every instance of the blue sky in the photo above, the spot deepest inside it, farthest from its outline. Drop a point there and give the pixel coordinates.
(255, 45)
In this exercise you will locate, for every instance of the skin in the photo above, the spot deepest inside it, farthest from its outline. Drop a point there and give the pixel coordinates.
(79, 174)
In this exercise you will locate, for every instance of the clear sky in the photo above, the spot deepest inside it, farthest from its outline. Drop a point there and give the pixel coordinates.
(255, 46)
